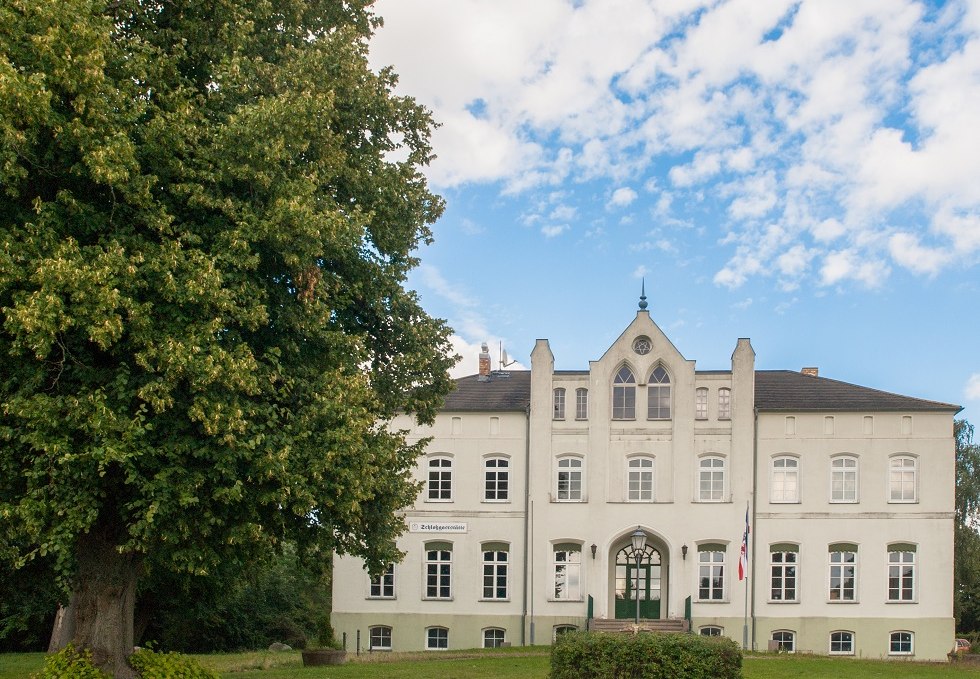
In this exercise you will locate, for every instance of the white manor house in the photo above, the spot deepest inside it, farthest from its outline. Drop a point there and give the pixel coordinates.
(536, 482)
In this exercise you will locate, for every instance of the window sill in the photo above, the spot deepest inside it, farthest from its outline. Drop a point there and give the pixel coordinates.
(438, 502)
(905, 602)
(569, 502)
(494, 601)
(712, 601)
(844, 502)
(495, 502)
(566, 601)
(903, 502)
(433, 598)
(380, 598)
(846, 602)
(783, 601)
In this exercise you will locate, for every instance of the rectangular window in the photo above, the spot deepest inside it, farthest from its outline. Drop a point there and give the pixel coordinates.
(495, 574)
(701, 404)
(567, 570)
(901, 479)
(639, 479)
(559, 403)
(711, 575)
(383, 586)
(844, 479)
(901, 576)
(440, 479)
(569, 479)
(380, 638)
(438, 574)
(496, 479)
(843, 576)
(624, 403)
(711, 479)
(783, 574)
(581, 404)
(724, 404)
(785, 485)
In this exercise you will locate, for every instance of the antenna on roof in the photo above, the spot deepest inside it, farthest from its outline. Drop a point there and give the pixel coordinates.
(503, 362)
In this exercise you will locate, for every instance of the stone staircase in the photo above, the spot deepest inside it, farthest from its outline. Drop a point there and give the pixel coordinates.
(673, 625)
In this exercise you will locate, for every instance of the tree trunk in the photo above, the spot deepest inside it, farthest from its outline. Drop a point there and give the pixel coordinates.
(103, 602)
(64, 627)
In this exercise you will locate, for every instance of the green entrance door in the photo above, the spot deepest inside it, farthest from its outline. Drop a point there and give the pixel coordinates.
(647, 589)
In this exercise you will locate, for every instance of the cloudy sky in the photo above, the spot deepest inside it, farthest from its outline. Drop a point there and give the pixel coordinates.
(805, 174)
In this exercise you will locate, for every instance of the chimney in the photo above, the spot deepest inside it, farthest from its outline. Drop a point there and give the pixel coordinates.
(811, 372)
(484, 363)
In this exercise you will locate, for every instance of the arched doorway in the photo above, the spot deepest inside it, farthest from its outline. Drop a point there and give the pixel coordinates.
(648, 589)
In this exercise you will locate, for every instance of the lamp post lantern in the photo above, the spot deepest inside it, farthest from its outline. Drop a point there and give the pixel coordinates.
(639, 539)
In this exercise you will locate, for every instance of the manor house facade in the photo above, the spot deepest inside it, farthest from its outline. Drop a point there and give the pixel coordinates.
(536, 482)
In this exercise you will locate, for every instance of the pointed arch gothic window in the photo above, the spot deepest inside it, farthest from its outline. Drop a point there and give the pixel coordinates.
(658, 395)
(624, 395)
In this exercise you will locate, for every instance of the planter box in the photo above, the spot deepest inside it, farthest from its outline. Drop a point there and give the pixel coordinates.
(323, 656)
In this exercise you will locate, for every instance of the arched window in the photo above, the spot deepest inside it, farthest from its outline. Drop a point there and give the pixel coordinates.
(843, 572)
(559, 404)
(624, 395)
(496, 559)
(901, 479)
(844, 479)
(493, 637)
(783, 572)
(901, 573)
(658, 395)
(440, 482)
(842, 643)
(566, 564)
(785, 480)
(785, 640)
(711, 572)
(711, 631)
(436, 639)
(639, 479)
(901, 643)
(563, 629)
(496, 479)
(379, 638)
(438, 570)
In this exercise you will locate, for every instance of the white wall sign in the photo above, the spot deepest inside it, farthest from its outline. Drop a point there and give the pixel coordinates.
(436, 527)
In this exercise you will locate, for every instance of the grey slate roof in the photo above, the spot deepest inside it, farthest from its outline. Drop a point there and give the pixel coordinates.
(775, 390)
(790, 390)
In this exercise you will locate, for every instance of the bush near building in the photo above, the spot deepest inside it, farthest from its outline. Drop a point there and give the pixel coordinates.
(590, 655)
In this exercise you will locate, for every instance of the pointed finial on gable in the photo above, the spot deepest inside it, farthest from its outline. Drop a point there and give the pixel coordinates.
(643, 295)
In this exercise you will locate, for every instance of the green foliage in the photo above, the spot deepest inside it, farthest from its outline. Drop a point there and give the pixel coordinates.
(69, 664)
(153, 665)
(207, 216)
(587, 655)
(966, 539)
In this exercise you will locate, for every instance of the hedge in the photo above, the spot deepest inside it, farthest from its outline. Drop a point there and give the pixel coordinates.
(598, 655)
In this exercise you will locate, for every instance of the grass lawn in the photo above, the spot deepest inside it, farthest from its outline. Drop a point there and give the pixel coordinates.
(514, 663)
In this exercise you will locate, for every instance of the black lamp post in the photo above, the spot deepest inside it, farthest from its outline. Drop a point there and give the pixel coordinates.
(639, 539)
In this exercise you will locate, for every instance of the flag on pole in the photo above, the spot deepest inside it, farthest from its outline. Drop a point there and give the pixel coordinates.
(743, 558)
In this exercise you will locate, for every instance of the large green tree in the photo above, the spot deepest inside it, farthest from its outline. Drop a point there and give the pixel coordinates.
(966, 540)
(207, 214)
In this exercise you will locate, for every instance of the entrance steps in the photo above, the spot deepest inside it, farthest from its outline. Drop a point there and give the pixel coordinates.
(673, 625)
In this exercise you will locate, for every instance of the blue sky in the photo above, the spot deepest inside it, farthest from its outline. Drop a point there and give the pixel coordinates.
(805, 174)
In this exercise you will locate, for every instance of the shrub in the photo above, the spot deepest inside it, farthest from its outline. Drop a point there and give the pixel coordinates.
(153, 665)
(70, 664)
(590, 655)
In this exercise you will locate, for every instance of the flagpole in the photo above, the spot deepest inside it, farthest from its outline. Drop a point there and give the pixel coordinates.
(745, 617)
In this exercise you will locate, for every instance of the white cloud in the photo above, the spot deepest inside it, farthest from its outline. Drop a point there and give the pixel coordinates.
(640, 272)
(972, 389)
(469, 353)
(907, 250)
(553, 230)
(622, 197)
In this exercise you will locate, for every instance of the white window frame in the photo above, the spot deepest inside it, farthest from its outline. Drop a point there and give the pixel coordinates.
(438, 572)
(558, 630)
(707, 469)
(787, 559)
(701, 403)
(495, 642)
(566, 572)
(442, 641)
(657, 386)
(892, 640)
(839, 473)
(624, 394)
(711, 631)
(841, 641)
(784, 480)
(712, 567)
(836, 570)
(494, 475)
(378, 586)
(439, 478)
(371, 637)
(570, 471)
(791, 635)
(640, 470)
(558, 403)
(907, 476)
(724, 403)
(494, 568)
(898, 559)
(581, 403)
